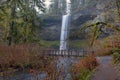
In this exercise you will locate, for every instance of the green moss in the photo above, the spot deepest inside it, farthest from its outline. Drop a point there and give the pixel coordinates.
(49, 44)
(72, 44)
(79, 44)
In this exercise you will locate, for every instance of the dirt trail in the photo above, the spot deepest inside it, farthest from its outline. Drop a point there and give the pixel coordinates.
(105, 70)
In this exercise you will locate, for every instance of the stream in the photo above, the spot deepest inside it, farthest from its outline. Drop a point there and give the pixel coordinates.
(65, 62)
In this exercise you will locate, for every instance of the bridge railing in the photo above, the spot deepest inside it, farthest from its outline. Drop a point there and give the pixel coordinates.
(73, 53)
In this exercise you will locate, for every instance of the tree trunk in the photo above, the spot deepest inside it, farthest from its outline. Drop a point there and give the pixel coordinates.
(10, 36)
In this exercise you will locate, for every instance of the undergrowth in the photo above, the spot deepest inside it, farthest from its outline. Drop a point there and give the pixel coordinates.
(106, 46)
(83, 70)
(25, 56)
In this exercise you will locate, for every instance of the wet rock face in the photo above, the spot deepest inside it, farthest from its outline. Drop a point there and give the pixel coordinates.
(53, 27)
(91, 11)
(51, 33)
(100, 6)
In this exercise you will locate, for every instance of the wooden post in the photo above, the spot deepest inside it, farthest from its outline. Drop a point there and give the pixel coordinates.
(68, 53)
(83, 53)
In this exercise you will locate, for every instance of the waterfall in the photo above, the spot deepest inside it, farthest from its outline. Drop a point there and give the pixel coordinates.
(65, 63)
(65, 24)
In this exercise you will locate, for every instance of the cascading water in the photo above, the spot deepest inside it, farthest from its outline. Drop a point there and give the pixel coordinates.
(65, 24)
(65, 62)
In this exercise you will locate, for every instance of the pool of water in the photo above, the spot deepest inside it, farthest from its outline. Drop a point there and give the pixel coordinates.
(23, 76)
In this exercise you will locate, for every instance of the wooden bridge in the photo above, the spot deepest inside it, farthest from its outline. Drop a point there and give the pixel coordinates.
(66, 53)
(74, 52)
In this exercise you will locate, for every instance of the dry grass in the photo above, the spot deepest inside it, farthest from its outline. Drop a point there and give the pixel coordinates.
(52, 72)
(22, 57)
(28, 57)
(83, 69)
(106, 46)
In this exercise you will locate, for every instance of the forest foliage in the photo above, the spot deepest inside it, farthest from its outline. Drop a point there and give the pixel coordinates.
(17, 20)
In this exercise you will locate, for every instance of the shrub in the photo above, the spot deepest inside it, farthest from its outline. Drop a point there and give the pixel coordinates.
(22, 57)
(83, 69)
(106, 46)
(116, 55)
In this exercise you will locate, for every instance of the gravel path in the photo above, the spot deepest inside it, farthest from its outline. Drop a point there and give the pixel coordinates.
(105, 70)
